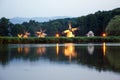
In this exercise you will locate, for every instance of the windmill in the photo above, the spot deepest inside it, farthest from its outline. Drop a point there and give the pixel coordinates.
(69, 32)
(41, 33)
(20, 35)
(26, 34)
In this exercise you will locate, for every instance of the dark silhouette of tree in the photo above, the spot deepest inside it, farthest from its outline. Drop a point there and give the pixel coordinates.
(4, 24)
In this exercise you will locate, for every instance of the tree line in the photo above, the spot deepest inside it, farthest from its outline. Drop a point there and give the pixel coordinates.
(96, 22)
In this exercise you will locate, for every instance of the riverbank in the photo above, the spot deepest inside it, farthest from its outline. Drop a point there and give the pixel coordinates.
(35, 40)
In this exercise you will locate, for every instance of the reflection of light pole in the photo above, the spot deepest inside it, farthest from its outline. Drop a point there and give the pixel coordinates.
(90, 48)
(57, 51)
(104, 48)
(57, 48)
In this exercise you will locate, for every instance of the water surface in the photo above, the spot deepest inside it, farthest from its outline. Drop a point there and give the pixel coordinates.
(60, 61)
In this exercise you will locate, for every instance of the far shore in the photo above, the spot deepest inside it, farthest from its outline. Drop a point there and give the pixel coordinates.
(47, 40)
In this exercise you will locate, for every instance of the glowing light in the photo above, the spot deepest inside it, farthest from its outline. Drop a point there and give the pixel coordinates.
(104, 48)
(20, 35)
(26, 34)
(104, 34)
(57, 49)
(41, 33)
(70, 31)
(69, 50)
(70, 34)
(57, 35)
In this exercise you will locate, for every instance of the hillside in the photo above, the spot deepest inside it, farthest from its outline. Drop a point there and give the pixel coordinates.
(20, 20)
(96, 22)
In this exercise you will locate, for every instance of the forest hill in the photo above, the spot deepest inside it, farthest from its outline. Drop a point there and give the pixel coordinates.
(96, 22)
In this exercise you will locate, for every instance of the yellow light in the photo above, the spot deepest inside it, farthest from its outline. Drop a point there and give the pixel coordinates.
(57, 35)
(69, 32)
(57, 48)
(104, 34)
(25, 36)
(69, 50)
(20, 35)
(104, 48)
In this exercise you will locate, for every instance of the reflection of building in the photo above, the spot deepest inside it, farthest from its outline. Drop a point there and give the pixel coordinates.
(19, 49)
(69, 51)
(70, 31)
(90, 48)
(41, 50)
(24, 49)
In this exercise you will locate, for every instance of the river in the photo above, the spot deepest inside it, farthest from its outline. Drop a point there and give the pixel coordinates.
(68, 61)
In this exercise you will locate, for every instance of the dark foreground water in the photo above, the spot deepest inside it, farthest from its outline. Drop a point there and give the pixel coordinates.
(60, 61)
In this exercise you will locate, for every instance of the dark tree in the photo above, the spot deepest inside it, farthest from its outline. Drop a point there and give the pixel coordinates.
(4, 24)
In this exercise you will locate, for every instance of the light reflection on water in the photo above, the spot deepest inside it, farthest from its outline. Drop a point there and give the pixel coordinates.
(67, 61)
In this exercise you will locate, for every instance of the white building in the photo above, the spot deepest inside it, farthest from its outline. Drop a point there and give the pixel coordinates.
(90, 34)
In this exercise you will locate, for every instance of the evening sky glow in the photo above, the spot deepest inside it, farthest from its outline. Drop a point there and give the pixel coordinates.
(49, 8)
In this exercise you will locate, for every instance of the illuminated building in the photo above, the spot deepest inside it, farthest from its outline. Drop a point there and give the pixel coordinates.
(69, 32)
(41, 33)
(90, 34)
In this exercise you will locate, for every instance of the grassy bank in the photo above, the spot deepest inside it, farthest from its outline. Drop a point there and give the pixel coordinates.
(35, 40)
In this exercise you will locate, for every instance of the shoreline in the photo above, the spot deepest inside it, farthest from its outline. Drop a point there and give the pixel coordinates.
(50, 40)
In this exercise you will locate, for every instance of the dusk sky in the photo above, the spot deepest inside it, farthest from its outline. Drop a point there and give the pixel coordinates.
(50, 8)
